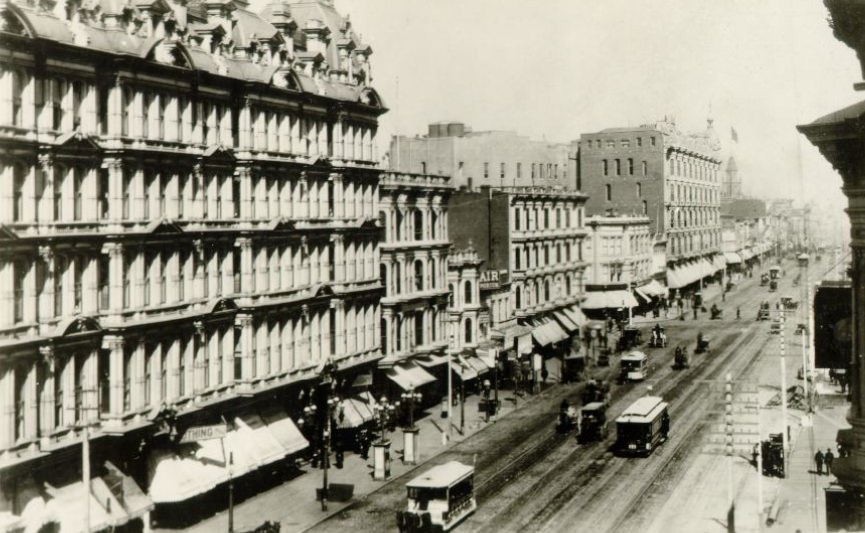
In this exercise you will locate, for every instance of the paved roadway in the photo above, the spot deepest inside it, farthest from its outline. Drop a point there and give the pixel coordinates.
(529, 478)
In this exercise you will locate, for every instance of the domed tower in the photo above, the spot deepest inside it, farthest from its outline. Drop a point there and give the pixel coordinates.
(731, 187)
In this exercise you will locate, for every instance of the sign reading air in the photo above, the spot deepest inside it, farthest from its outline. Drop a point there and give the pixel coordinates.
(199, 433)
(491, 279)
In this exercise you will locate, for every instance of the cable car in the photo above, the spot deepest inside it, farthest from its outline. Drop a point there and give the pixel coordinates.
(642, 426)
(634, 366)
(439, 498)
(774, 272)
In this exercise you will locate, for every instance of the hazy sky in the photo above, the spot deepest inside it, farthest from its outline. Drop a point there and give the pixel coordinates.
(557, 68)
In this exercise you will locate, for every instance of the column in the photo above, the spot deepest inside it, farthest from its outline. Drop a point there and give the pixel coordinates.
(339, 257)
(45, 305)
(244, 175)
(7, 403)
(245, 126)
(138, 381)
(339, 307)
(199, 345)
(46, 399)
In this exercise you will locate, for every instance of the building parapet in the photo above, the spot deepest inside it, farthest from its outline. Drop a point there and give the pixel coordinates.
(408, 179)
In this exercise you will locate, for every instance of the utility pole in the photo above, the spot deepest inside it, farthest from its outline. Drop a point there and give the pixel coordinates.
(783, 391)
(85, 454)
(451, 350)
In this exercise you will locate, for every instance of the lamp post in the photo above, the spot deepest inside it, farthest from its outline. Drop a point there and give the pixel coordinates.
(381, 449)
(410, 433)
(327, 374)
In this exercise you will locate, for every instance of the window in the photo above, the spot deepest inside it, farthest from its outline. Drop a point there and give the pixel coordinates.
(519, 298)
(653, 141)
(558, 218)
(606, 167)
(58, 88)
(517, 218)
(468, 332)
(19, 274)
(626, 143)
(103, 277)
(546, 218)
(611, 144)
(418, 225)
(609, 192)
(145, 114)
(639, 190)
(128, 352)
(630, 166)
(19, 174)
(468, 292)
(546, 254)
(517, 260)
(618, 167)
(102, 193)
(19, 82)
(533, 171)
(547, 290)
(639, 143)
(418, 328)
(423, 167)
(645, 169)
(558, 252)
(77, 192)
(418, 275)
(502, 170)
(519, 170)
(486, 170)
(126, 192)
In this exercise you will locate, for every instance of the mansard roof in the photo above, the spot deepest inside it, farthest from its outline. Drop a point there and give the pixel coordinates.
(250, 27)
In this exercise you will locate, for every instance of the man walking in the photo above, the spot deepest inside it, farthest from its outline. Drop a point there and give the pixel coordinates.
(828, 458)
(818, 458)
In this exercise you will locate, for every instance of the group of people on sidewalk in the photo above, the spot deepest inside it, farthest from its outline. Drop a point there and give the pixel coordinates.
(824, 459)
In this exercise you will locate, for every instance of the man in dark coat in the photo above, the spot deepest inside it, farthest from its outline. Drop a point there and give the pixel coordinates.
(818, 458)
(828, 457)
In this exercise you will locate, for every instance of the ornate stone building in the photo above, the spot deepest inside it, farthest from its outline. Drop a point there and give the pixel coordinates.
(414, 273)
(839, 137)
(188, 225)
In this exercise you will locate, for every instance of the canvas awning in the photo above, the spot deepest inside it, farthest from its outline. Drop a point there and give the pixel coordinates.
(409, 375)
(252, 442)
(480, 366)
(190, 470)
(431, 360)
(283, 429)
(463, 369)
(355, 413)
(732, 258)
(609, 300)
(548, 332)
(576, 315)
(719, 263)
(685, 275)
(565, 321)
(653, 288)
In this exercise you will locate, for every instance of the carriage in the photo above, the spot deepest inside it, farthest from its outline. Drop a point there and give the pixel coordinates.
(764, 313)
(630, 338)
(702, 343)
(764, 279)
(775, 272)
(717, 312)
(596, 391)
(567, 417)
(681, 359)
(439, 498)
(773, 285)
(593, 422)
(659, 337)
(789, 303)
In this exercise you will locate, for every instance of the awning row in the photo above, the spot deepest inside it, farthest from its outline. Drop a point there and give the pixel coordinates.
(693, 271)
(115, 499)
(610, 300)
(255, 440)
(732, 258)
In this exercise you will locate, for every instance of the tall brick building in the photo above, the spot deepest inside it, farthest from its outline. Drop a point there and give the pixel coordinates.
(671, 177)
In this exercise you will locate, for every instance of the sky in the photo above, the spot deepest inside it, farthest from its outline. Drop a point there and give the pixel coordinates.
(553, 69)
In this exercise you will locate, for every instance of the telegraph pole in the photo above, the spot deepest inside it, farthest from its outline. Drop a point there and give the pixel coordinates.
(783, 392)
(85, 455)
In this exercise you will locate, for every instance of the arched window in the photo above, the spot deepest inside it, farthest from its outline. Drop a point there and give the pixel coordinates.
(433, 282)
(77, 192)
(19, 174)
(418, 225)
(517, 259)
(547, 290)
(418, 275)
(609, 192)
(567, 285)
(645, 207)
(519, 298)
(468, 327)
(606, 167)
(398, 225)
(418, 328)
(639, 190)
(382, 276)
(397, 278)
(645, 169)
(468, 292)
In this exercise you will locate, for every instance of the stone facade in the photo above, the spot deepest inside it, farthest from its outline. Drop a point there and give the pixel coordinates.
(188, 217)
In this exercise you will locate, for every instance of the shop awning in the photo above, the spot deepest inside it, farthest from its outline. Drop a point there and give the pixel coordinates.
(355, 413)
(643, 294)
(565, 321)
(746, 253)
(486, 352)
(194, 469)
(576, 315)
(126, 491)
(67, 508)
(548, 332)
(706, 268)
(252, 438)
(609, 300)
(463, 369)
(685, 275)
(478, 364)
(732, 258)
(509, 333)
(283, 429)
(431, 360)
(719, 263)
(653, 288)
(409, 375)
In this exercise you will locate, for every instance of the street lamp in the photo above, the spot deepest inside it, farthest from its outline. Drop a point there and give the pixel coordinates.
(331, 403)
(410, 433)
(381, 449)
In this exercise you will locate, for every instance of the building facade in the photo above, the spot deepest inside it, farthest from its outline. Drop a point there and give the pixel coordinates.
(672, 178)
(619, 253)
(414, 270)
(483, 158)
(189, 225)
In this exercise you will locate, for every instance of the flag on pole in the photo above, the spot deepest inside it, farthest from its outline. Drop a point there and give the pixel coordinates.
(733, 134)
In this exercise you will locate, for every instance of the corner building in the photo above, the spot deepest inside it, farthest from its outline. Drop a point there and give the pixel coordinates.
(188, 225)
(671, 177)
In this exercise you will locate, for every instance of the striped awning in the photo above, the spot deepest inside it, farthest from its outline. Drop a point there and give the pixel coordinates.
(609, 300)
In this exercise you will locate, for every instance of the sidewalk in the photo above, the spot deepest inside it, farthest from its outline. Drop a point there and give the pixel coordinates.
(293, 502)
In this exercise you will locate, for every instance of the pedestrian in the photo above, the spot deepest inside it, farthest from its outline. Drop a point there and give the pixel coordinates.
(738, 313)
(818, 458)
(828, 458)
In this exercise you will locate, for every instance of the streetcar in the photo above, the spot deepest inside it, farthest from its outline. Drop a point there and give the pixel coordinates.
(642, 426)
(439, 498)
(774, 272)
(634, 366)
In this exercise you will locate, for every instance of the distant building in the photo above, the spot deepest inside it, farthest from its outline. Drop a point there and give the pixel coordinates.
(483, 158)
(731, 183)
(668, 176)
(620, 272)
(531, 241)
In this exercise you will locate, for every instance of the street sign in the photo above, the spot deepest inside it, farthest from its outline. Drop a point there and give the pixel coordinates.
(199, 433)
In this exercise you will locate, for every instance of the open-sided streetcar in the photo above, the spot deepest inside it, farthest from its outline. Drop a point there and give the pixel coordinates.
(642, 426)
(439, 498)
